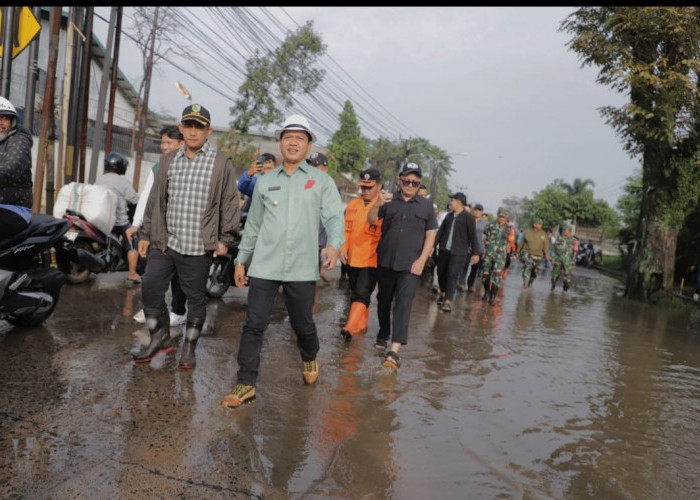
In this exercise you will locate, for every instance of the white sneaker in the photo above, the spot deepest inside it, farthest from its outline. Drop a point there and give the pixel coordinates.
(177, 319)
(696, 297)
(140, 317)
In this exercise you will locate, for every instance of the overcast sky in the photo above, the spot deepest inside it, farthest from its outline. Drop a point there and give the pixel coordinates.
(496, 83)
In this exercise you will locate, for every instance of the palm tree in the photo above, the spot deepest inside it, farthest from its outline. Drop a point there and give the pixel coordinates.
(575, 190)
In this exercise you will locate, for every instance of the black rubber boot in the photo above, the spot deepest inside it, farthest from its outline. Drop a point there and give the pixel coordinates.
(554, 284)
(193, 330)
(486, 281)
(158, 323)
(492, 294)
(566, 286)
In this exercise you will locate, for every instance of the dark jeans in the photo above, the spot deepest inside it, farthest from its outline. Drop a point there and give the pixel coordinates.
(299, 301)
(192, 271)
(363, 280)
(474, 271)
(448, 268)
(398, 287)
(11, 224)
(179, 297)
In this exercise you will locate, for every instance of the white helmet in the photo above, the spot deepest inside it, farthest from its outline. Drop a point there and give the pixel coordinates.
(7, 109)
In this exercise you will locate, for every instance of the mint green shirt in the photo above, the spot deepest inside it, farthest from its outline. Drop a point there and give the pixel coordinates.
(281, 231)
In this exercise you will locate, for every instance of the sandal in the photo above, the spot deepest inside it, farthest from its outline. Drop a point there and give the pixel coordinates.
(447, 307)
(391, 361)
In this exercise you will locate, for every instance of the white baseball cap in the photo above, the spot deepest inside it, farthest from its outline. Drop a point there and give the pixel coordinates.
(296, 122)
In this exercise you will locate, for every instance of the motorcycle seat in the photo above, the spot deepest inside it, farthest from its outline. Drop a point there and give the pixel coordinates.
(38, 224)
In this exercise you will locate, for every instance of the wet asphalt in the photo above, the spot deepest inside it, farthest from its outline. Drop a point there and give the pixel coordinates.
(543, 395)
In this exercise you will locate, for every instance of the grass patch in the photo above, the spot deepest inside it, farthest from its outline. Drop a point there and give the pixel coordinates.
(612, 262)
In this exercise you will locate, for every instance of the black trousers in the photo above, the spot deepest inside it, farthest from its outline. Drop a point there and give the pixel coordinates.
(363, 280)
(474, 270)
(448, 269)
(299, 301)
(192, 271)
(399, 288)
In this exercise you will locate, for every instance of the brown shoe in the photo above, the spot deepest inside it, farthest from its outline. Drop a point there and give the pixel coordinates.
(310, 372)
(241, 394)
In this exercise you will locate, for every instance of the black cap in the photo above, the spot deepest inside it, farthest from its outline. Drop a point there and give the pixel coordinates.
(459, 196)
(197, 113)
(411, 168)
(479, 206)
(317, 159)
(369, 177)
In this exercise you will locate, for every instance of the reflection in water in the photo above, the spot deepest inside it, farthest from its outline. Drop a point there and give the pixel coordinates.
(544, 395)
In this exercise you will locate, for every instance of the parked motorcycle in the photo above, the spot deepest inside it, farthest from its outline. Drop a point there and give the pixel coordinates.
(30, 281)
(95, 251)
(586, 255)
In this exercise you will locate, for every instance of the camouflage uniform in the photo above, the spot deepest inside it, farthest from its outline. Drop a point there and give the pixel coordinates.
(562, 259)
(495, 245)
(532, 249)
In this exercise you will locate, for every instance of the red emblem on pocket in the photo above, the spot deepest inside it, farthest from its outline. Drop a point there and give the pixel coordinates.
(309, 183)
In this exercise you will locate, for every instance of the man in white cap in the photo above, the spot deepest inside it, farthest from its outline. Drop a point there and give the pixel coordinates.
(281, 242)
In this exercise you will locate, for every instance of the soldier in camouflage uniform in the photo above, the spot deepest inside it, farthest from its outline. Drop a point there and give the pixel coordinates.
(495, 244)
(562, 258)
(532, 249)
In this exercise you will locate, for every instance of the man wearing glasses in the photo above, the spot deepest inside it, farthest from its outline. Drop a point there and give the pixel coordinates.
(408, 235)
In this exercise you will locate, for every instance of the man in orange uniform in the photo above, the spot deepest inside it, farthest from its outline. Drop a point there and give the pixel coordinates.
(359, 252)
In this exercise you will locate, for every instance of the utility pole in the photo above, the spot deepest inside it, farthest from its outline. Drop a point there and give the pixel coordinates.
(8, 16)
(97, 129)
(113, 85)
(47, 114)
(73, 108)
(144, 109)
(32, 77)
(85, 90)
(434, 180)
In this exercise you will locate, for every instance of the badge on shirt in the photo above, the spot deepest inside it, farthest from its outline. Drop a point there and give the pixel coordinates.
(274, 188)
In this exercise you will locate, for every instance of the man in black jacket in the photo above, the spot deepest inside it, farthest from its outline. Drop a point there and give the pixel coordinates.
(16, 193)
(455, 239)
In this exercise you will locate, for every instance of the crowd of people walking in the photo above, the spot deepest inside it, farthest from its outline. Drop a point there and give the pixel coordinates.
(295, 229)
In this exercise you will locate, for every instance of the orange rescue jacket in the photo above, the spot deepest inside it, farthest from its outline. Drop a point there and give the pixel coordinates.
(361, 237)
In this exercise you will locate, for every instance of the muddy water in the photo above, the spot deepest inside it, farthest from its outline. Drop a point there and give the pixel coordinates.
(544, 395)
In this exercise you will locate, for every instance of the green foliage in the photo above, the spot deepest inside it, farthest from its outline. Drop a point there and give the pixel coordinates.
(559, 203)
(651, 54)
(348, 150)
(272, 80)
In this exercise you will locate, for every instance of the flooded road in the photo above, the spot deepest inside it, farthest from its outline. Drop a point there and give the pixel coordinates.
(544, 395)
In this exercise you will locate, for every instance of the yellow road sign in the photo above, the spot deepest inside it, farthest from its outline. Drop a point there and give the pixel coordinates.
(24, 29)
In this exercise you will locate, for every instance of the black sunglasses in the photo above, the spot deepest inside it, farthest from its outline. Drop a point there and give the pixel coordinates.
(414, 184)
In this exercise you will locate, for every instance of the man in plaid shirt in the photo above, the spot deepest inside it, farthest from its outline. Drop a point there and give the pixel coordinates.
(192, 215)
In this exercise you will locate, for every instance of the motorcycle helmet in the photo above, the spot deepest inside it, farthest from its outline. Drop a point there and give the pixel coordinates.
(7, 109)
(116, 162)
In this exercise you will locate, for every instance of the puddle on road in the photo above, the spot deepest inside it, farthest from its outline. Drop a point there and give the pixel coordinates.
(543, 395)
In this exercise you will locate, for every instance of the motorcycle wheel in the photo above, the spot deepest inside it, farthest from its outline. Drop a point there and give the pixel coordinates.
(218, 281)
(35, 319)
(76, 273)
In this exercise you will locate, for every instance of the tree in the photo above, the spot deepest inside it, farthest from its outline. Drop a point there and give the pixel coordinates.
(652, 54)
(577, 191)
(348, 150)
(271, 83)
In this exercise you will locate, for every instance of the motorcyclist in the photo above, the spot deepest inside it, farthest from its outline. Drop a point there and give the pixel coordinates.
(115, 165)
(16, 193)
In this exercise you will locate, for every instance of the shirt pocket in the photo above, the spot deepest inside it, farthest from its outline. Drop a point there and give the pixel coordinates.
(418, 222)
